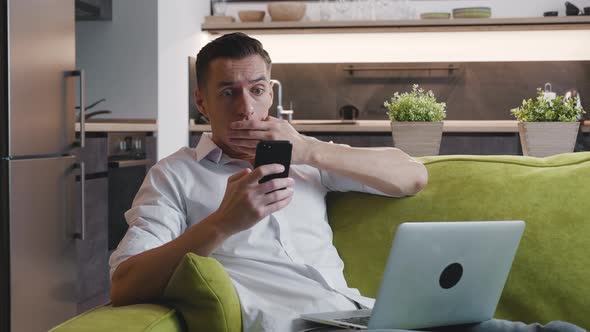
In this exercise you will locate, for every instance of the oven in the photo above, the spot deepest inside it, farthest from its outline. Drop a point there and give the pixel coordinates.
(127, 166)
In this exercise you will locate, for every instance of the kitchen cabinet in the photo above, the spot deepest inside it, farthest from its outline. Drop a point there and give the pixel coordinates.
(92, 253)
(94, 154)
(151, 150)
(452, 143)
(93, 284)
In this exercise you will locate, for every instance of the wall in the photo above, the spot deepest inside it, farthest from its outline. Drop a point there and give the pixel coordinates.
(428, 46)
(431, 46)
(179, 36)
(121, 59)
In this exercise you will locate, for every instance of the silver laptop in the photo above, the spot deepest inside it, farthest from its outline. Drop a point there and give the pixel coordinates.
(438, 274)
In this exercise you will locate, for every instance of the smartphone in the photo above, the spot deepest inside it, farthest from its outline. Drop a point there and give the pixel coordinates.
(273, 152)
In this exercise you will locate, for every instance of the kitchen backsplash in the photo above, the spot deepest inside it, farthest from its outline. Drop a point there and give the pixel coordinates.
(472, 91)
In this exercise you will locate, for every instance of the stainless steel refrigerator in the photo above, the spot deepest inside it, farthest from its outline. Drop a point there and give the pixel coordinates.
(38, 227)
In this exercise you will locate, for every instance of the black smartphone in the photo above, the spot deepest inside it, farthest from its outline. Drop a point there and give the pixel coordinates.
(273, 152)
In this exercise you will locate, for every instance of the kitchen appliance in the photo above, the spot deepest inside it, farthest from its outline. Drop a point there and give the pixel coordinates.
(348, 112)
(571, 9)
(575, 94)
(38, 228)
(128, 163)
(548, 93)
(88, 115)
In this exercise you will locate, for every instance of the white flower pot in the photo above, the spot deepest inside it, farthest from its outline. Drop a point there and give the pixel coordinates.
(542, 139)
(417, 139)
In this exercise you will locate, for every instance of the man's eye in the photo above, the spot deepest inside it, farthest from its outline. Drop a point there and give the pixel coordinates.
(258, 91)
(227, 92)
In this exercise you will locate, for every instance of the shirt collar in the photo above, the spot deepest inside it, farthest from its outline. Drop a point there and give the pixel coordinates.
(207, 149)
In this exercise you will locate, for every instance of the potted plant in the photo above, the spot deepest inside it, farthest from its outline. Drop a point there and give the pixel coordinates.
(547, 126)
(416, 121)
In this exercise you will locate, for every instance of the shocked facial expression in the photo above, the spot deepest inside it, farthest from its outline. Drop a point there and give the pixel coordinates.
(237, 89)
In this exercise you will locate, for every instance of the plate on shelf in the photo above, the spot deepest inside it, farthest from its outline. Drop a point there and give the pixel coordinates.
(435, 15)
(472, 12)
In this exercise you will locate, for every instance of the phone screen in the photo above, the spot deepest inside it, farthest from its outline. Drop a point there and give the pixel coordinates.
(274, 152)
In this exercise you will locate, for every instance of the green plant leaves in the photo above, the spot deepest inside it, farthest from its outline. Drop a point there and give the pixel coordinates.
(418, 106)
(540, 110)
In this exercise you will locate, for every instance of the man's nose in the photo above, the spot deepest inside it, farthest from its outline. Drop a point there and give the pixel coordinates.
(245, 106)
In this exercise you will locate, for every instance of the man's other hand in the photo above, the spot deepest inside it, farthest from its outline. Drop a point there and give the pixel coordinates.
(246, 201)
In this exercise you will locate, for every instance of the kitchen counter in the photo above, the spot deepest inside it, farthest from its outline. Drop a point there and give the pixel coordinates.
(383, 126)
(113, 125)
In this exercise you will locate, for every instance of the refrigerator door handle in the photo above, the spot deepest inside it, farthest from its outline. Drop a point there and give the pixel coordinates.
(80, 73)
(82, 234)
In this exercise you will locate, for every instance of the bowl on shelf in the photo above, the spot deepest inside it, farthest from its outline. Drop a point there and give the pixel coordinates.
(286, 11)
(472, 12)
(251, 15)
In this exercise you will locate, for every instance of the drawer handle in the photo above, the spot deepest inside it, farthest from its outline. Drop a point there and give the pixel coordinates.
(82, 234)
(128, 163)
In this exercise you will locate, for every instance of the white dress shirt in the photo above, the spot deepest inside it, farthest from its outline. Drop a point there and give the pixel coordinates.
(282, 267)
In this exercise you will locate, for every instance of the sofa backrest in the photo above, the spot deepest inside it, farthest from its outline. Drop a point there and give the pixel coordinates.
(550, 276)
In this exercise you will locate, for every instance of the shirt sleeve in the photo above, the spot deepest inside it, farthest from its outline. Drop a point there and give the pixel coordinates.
(157, 216)
(336, 182)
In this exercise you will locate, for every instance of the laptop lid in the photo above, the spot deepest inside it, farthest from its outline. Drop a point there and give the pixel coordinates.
(445, 273)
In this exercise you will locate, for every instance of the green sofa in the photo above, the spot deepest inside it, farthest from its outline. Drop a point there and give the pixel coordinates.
(550, 276)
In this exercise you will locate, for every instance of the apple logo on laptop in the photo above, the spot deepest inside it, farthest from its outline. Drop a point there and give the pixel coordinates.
(451, 275)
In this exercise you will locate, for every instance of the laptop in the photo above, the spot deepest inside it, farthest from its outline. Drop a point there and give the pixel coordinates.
(438, 274)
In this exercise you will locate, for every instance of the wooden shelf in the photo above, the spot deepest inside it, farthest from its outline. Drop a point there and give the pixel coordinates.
(490, 24)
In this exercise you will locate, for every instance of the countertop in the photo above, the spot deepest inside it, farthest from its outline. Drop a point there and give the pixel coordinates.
(120, 125)
(337, 126)
(383, 126)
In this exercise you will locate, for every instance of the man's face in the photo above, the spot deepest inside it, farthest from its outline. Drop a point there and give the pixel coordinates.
(236, 90)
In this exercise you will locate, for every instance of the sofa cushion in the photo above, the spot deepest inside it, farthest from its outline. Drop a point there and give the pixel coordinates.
(132, 318)
(204, 294)
(550, 273)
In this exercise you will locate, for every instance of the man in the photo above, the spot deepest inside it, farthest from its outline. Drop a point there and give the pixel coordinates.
(276, 245)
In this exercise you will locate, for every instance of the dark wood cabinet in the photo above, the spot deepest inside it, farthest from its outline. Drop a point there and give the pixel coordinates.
(94, 154)
(151, 150)
(93, 284)
(92, 252)
(452, 143)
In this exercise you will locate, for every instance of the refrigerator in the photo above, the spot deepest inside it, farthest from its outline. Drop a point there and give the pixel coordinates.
(39, 89)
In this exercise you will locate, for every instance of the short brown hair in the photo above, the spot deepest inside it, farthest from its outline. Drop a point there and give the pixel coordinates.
(234, 46)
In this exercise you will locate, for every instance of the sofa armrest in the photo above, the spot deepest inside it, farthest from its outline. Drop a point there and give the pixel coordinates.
(138, 317)
(204, 295)
(199, 297)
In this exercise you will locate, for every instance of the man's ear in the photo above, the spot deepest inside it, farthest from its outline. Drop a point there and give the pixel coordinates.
(200, 101)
